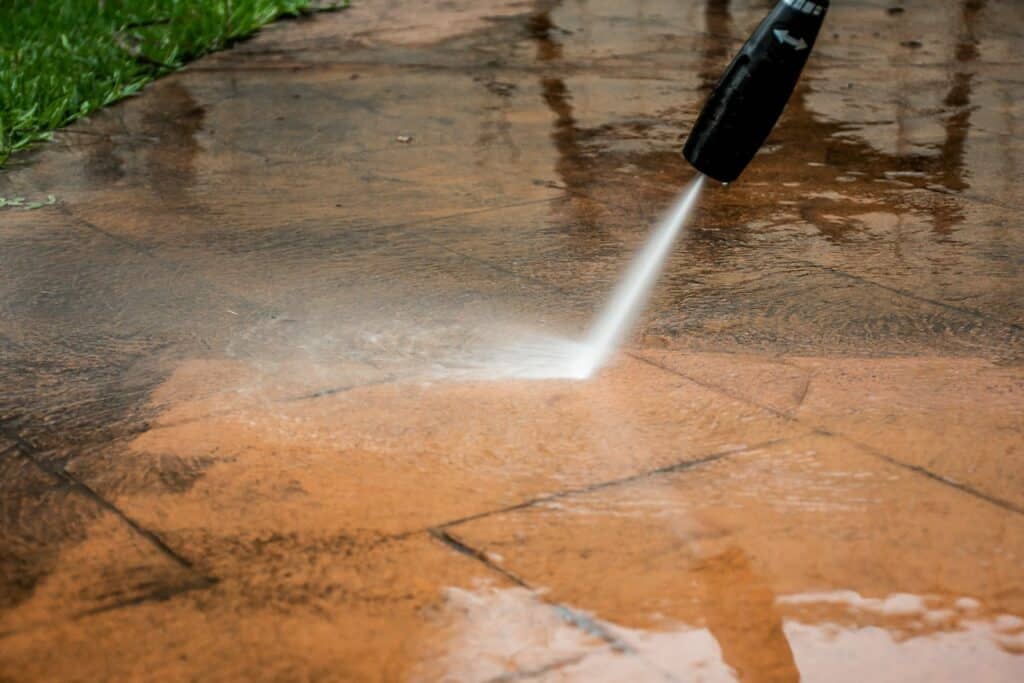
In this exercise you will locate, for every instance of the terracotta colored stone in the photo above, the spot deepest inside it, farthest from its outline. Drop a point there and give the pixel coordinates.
(269, 395)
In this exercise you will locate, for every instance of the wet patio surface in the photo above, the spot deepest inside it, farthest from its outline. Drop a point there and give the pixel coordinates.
(259, 419)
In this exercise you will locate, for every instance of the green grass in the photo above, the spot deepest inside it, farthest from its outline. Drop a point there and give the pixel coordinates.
(61, 59)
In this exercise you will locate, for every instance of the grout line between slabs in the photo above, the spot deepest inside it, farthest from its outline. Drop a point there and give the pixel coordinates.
(572, 617)
(870, 450)
(27, 451)
(910, 295)
(443, 534)
(680, 466)
(528, 674)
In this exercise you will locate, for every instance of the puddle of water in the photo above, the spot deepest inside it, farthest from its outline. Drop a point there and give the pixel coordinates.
(511, 630)
(902, 637)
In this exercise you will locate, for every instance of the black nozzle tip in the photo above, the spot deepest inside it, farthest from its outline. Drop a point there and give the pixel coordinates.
(748, 100)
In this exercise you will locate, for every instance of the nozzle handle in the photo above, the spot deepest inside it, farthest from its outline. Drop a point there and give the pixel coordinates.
(750, 97)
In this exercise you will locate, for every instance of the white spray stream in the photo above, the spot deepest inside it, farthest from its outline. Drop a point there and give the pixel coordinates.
(546, 357)
(628, 299)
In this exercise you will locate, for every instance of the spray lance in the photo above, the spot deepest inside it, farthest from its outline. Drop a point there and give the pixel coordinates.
(735, 122)
(746, 103)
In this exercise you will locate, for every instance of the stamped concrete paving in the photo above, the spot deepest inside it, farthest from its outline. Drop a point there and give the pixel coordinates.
(259, 419)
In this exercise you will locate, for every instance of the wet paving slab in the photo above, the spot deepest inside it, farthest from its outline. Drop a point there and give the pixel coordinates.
(276, 363)
(68, 553)
(923, 416)
(762, 566)
(354, 610)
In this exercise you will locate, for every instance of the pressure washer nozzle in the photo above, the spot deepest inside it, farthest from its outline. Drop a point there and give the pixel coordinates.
(746, 103)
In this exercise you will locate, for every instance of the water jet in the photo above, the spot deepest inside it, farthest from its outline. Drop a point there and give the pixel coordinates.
(733, 125)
